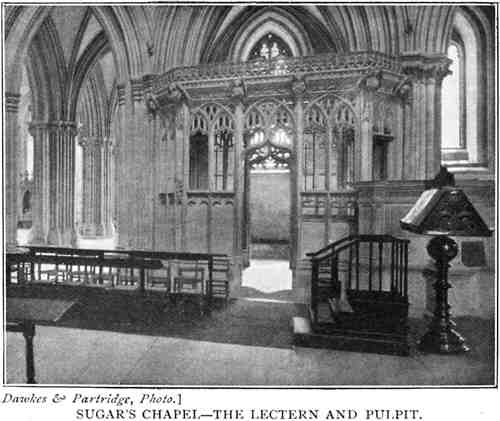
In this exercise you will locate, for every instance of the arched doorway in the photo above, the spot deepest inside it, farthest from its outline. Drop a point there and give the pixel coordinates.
(267, 225)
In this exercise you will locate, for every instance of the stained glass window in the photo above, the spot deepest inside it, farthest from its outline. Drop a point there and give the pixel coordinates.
(270, 46)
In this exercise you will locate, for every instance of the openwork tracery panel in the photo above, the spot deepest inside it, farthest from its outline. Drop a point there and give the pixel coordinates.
(269, 132)
(211, 148)
(198, 153)
(342, 125)
(383, 116)
(223, 130)
(315, 144)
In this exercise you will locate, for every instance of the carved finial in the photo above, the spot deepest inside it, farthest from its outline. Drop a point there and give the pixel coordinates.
(372, 82)
(298, 85)
(442, 179)
(238, 90)
(403, 89)
(175, 93)
(152, 103)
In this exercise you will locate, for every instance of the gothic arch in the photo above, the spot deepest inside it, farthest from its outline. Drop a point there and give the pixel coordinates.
(340, 99)
(25, 22)
(84, 65)
(46, 64)
(432, 26)
(243, 28)
(278, 105)
(213, 114)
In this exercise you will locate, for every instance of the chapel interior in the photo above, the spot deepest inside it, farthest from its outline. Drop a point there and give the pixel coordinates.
(174, 171)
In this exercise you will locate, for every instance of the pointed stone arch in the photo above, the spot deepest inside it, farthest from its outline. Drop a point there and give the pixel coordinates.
(242, 28)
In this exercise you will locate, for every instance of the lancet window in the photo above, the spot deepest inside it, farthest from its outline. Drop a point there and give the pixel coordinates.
(343, 134)
(223, 152)
(315, 151)
(211, 149)
(198, 154)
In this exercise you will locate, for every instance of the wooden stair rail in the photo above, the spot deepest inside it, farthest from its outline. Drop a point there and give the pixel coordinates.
(330, 257)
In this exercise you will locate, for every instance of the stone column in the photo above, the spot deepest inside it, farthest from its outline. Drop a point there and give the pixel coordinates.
(426, 73)
(92, 183)
(184, 120)
(11, 186)
(41, 178)
(134, 196)
(121, 197)
(107, 187)
(364, 151)
(62, 180)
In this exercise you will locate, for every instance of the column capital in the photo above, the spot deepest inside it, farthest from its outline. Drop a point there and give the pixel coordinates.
(404, 89)
(137, 89)
(63, 126)
(148, 82)
(83, 141)
(33, 126)
(425, 66)
(91, 142)
(12, 102)
(175, 94)
(120, 93)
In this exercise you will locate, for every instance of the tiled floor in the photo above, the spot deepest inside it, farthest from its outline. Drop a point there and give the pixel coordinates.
(71, 356)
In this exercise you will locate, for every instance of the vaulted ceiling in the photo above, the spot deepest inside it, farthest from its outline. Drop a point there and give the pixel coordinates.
(150, 39)
(158, 37)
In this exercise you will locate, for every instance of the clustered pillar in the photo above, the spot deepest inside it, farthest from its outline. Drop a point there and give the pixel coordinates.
(96, 195)
(41, 178)
(134, 200)
(62, 183)
(422, 115)
(11, 141)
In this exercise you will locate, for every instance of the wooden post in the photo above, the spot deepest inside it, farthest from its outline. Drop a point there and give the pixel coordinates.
(298, 89)
(238, 182)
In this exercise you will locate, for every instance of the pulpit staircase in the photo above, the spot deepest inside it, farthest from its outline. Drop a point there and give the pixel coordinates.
(358, 296)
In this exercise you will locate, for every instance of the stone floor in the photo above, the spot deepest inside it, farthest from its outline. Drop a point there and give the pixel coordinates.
(67, 355)
(268, 276)
(84, 355)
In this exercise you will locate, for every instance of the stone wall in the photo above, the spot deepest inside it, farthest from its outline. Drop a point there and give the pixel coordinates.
(270, 206)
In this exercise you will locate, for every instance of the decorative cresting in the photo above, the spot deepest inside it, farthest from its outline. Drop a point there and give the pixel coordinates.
(322, 63)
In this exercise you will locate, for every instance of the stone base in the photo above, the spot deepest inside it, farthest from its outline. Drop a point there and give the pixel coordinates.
(304, 335)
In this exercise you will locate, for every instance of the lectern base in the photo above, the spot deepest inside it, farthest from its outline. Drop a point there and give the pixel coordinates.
(446, 341)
